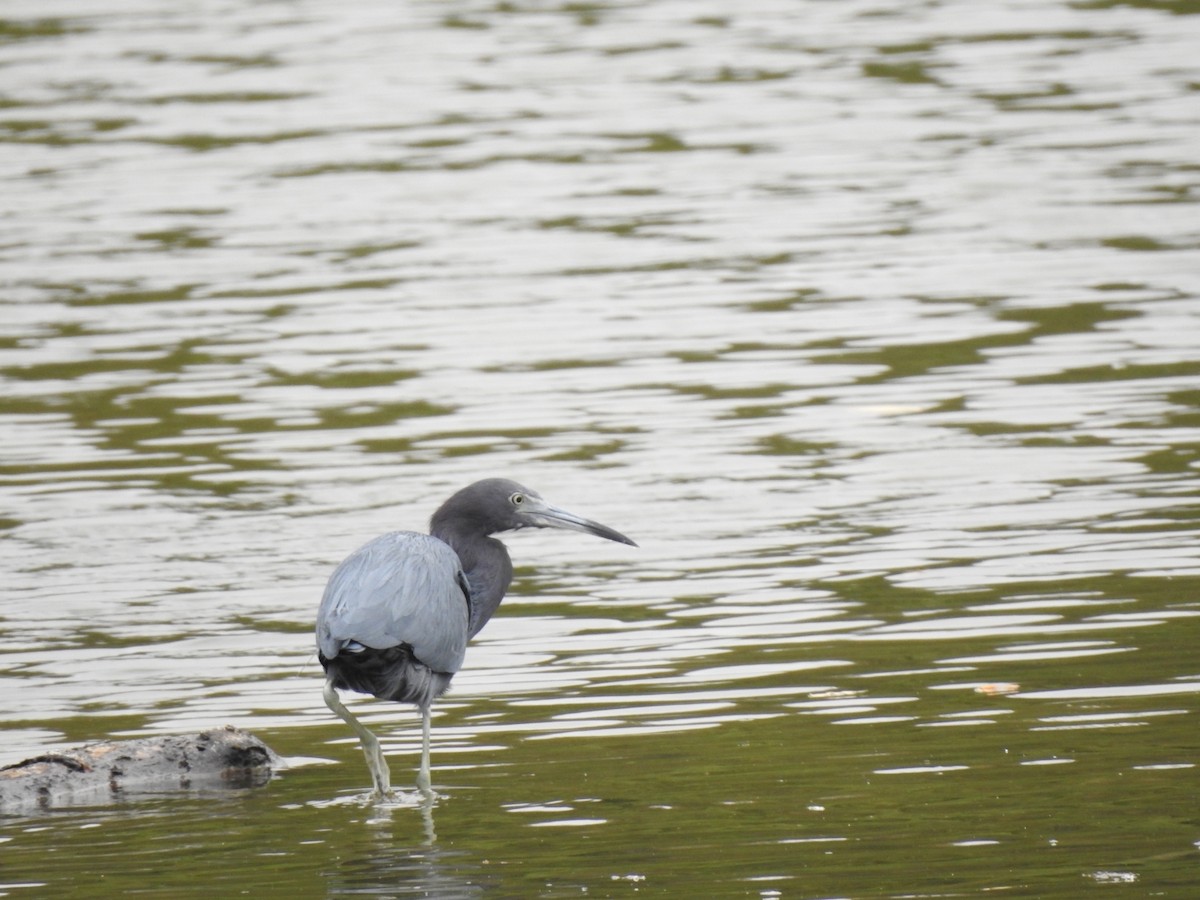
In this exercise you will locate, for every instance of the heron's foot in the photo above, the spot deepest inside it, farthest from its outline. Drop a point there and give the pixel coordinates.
(380, 795)
(425, 786)
(380, 777)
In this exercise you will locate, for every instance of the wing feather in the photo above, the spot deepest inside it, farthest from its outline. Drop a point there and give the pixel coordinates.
(400, 588)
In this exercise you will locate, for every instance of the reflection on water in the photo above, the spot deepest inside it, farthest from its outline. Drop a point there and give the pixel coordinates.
(876, 323)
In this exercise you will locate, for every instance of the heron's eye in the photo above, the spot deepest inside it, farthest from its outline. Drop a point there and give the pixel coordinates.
(517, 499)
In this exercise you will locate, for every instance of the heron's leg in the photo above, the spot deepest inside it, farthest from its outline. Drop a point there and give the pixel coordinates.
(370, 744)
(424, 783)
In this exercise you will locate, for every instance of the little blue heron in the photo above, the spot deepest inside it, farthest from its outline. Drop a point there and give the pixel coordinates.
(398, 612)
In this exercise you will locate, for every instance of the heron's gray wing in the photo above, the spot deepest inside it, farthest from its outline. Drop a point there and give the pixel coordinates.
(400, 588)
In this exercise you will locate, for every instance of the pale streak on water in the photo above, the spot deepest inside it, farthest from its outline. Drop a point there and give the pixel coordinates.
(874, 323)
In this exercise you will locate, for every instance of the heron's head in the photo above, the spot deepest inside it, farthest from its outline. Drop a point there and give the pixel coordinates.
(498, 504)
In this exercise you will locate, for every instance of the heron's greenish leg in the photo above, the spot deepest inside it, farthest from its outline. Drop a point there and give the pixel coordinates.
(370, 744)
(424, 782)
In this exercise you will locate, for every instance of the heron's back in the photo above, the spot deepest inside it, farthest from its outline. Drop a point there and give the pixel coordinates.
(394, 618)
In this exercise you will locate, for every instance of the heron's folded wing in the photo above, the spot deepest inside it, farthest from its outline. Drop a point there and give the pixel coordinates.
(400, 588)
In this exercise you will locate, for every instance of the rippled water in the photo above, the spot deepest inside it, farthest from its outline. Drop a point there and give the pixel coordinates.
(874, 323)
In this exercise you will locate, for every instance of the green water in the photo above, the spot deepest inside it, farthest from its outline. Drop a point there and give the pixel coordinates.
(783, 803)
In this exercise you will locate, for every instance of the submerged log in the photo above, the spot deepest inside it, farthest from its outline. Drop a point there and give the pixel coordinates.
(101, 773)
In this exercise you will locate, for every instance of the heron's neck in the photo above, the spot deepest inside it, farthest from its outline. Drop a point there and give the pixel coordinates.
(488, 568)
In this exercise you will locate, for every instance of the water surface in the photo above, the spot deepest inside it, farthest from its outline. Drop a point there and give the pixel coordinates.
(874, 324)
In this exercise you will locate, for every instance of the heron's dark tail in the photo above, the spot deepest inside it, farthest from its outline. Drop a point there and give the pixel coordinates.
(391, 674)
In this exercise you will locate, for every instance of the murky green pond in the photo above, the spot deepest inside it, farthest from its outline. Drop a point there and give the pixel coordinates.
(876, 324)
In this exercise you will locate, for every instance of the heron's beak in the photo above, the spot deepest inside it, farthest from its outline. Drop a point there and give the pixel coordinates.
(546, 515)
